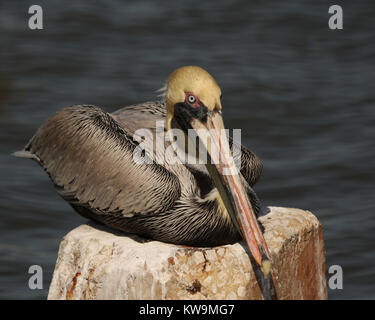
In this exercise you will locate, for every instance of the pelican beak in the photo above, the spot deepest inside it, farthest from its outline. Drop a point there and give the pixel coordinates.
(227, 179)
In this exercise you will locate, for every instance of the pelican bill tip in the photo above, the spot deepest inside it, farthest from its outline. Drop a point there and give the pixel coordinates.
(266, 267)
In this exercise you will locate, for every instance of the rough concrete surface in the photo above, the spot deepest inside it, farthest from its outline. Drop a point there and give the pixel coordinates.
(98, 263)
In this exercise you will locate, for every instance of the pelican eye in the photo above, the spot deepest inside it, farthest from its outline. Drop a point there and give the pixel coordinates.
(191, 99)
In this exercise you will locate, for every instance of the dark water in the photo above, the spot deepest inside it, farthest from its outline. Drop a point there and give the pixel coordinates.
(303, 95)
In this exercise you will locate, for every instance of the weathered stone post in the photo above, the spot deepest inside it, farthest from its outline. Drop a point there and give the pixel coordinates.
(97, 263)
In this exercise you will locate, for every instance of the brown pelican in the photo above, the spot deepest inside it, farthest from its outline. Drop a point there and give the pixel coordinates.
(88, 154)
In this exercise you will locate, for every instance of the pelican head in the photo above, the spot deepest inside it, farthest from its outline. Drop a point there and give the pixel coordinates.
(196, 81)
(194, 102)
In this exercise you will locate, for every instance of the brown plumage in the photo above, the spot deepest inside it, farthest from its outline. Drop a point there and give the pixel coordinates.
(88, 153)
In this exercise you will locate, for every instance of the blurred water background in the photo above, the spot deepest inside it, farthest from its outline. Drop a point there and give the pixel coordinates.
(302, 93)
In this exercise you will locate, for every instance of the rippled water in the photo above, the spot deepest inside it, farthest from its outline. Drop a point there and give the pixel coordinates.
(303, 95)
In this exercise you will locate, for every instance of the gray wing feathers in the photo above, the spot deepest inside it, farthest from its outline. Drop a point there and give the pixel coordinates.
(142, 115)
(89, 156)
